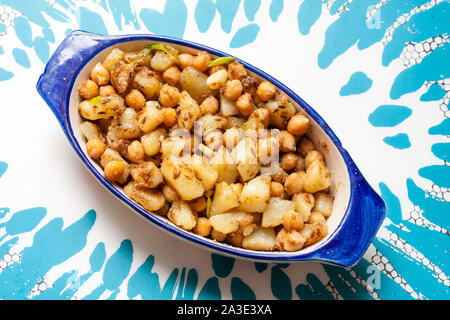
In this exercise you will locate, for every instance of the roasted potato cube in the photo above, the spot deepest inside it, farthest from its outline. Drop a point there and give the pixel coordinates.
(224, 199)
(101, 107)
(314, 232)
(150, 117)
(147, 175)
(121, 76)
(113, 58)
(275, 211)
(182, 178)
(223, 162)
(188, 110)
(317, 177)
(182, 215)
(161, 61)
(260, 239)
(195, 83)
(210, 122)
(152, 141)
(148, 82)
(304, 202)
(90, 130)
(150, 199)
(205, 172)
(255, 195)
(246, 157)
(280, 114)
(230, 221)
(173, 146)
(323, 204)
(228, 106)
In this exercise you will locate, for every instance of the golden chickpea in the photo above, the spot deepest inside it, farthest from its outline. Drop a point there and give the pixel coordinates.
(199, 204)
(170, 117)
(276, 189)
(312, 156)
(169, 96)
(215, 69)
(235, 238)
(170, 194)
(100, 74)
(263, 115)
(288, 161)
(293, 241)
(232, 137)
(233, 89)
(266, 91)
(217, 235)
(135, 99)
(279, 240)
(209, 106)
(316, 217)
(105, 91)
(292, 220)
(245, 104)
(298, 125)
(88, 89)
(95, 148)
(185, 60)
(287, 141)
(305, 146)
(236, 71)
(203, 227)
(214, 139)
(114, 170)
(136, 152)
(172, 75)
(293, 183)
(200, 61)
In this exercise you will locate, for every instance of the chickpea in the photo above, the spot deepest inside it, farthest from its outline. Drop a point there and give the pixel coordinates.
(209, 106)
(266, 91)
(170, 117)
(203, 227)
(169, 96)
(199, 204)
(217, 235)
(236, 71)
(136, 152)
(305, 146)
(233, 89)
(293, 241)
(214, 139)
(279, 240)
(235, 238)
(200, 61)
(261, 114)
(232, 137)
(135, 99)
(316, 217)
(185, 60)
(289, 161)
(114, 170)
(293, 183)
(300, 166)
(276, 189)
(245, 104)
(172, 75)
(312, 156)
(298, 125)
(293, 220)
(88, 89)
(95, 148)
(105, 91)
(215, 69)
(100, 74)
(287, 141)
(170, 194)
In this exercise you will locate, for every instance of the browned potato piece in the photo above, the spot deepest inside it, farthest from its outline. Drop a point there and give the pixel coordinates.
(317, 177)
(121, 76)
(195, 83)
(150, 199)
(148, 82)
(147, 175)
(182, 215)
(313, 233)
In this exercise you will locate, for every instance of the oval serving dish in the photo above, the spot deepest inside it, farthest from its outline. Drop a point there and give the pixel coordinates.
(358, 210)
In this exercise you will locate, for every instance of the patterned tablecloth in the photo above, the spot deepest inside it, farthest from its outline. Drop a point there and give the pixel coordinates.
(377, 71)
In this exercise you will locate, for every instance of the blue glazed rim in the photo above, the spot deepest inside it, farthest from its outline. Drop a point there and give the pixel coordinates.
(345, 247)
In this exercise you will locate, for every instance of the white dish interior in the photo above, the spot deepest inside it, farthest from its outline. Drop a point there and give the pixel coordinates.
(340, 187)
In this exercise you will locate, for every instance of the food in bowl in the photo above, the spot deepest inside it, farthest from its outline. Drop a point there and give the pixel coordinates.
(205, 144)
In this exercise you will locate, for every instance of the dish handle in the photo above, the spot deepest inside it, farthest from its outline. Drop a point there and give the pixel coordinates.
(54, 84)
(365, 214)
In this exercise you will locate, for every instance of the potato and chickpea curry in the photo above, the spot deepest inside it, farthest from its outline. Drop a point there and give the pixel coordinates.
(182, 134)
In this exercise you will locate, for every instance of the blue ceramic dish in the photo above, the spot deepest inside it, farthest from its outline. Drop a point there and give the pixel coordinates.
(358, 210)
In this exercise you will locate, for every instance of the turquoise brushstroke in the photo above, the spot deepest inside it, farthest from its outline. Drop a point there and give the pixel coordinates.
(313, 289)
(36, 11)
(187, 285)
(276, 7)
(352, 292)
(389, 115)
(358, 83)
(21, 58)
(23, 31)
(5, 74)
(441, 150)
(245, 35)
(227, 10)
(48, 35)
(204, 14)
(3, 167)
(260, 267)
(42, 49)
(240, 290)
(251, 7)
(308, 13)
(24, 221)
(336, 5)
(441, 129)
(122, 10)
(211, 290)
(434, 93)
(393, 207)
(439, 175)
(280, 284)
(399, 141)
(3, 212)
(222, 265)
(171, 22)
(91, 21)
